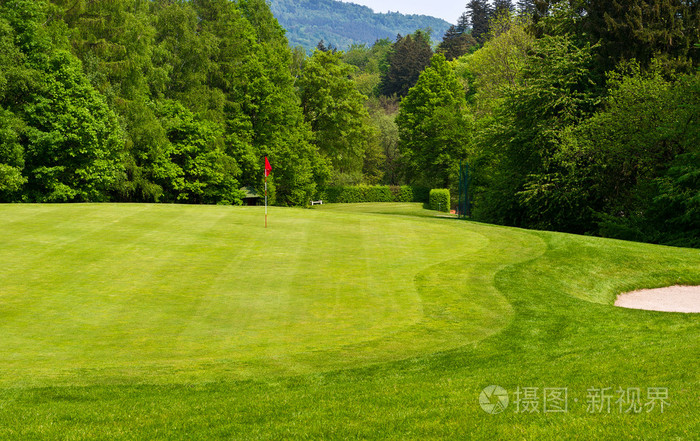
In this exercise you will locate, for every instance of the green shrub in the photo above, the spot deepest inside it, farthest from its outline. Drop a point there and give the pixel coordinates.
(440, 199)
(373, 193)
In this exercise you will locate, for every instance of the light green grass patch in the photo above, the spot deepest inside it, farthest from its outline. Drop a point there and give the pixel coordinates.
(161, 293)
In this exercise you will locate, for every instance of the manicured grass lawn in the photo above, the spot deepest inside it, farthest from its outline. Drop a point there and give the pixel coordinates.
(341, 322)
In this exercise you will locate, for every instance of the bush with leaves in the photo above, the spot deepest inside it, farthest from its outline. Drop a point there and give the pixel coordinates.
(439, 199)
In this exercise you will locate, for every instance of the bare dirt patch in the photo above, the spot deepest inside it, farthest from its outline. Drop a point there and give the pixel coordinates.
(671, 299)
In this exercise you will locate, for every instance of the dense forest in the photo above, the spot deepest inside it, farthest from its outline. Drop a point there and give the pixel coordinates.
(577, 116)
(342, 24)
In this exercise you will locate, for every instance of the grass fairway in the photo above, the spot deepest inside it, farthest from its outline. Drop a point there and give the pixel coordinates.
(371, 321)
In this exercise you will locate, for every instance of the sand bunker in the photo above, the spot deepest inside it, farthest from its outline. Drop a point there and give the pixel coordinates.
(672, 299)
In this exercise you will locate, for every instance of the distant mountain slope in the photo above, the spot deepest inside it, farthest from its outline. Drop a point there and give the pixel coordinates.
(341, 24)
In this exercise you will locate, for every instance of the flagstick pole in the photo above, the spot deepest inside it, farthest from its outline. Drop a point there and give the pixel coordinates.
(265, 201)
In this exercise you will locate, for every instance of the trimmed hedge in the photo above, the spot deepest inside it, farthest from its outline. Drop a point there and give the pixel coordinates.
(440, 199)
(374, 193)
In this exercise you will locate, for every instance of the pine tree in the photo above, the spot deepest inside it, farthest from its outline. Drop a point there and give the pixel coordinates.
(479, 13)
(526, 7)
(326, 48)
(643, 30)
(455, 44)
(463, 23)
(407, 59)
(501, 7)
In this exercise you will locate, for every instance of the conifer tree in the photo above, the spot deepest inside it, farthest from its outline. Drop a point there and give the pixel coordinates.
(455, 44)
(479, 13)
(501, 7)
(407, 59)
(463, 23)
(642, 30)
(526, 7)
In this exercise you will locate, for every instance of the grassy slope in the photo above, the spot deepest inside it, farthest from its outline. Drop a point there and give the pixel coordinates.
(178, 335)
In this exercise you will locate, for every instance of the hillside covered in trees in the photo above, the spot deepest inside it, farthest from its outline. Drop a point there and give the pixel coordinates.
(343, 24)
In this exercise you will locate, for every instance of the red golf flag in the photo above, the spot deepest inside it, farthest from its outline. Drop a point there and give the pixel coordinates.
(268, 167)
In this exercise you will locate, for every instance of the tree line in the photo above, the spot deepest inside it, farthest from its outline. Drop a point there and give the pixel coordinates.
(137, 100)
(578, 116)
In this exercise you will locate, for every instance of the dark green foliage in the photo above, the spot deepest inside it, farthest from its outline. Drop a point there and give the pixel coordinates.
(523, 138)
(560, 152)
(343, 24)
(407, 59)
(463, 22)
(675, 208)
(630, 29)
(594, 129)
(502, 7)
(526, 7)
(479, 13)
(645, 174)
(73, 141)
(455, 44)
(374, 193)
(57, 130)
(323, 47)
(627, 29)
(439, 199)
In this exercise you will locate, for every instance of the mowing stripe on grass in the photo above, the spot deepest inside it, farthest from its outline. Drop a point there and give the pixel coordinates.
(159, 293)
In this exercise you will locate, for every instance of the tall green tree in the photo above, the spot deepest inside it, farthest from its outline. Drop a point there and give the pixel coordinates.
(455, 43)
(640, 155)
(479, 12)
(498, 66)
(11, 157)
(335, 111)
(517, 147)
(195, 168)
(434, 131)
(407, 59)
(14, 79)
(115, 42)
(263, 117)
(526, 7)
(628, 29)
(69, 136)
(632, 29)
(502, 7)
(73, 138)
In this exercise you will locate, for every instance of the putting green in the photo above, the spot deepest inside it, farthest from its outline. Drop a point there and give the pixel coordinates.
(99, 293)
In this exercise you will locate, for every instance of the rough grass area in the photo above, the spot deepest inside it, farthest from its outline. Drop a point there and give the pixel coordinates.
(368, 321)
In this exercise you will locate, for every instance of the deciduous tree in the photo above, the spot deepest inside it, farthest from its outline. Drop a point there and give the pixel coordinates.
(434, 130)
(334, 109)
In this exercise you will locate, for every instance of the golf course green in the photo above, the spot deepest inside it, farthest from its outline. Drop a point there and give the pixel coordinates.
(347, 321)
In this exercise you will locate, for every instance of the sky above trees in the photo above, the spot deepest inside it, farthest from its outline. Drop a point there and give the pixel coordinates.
(448, 10)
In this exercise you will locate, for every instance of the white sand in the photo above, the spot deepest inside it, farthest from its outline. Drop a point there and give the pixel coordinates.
(673, 299)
